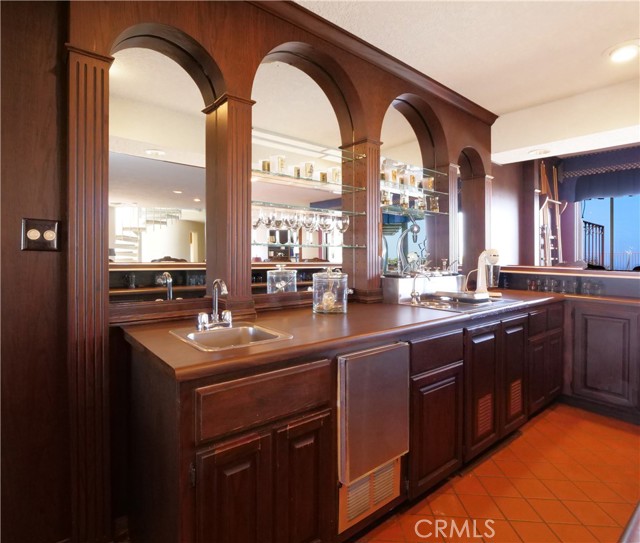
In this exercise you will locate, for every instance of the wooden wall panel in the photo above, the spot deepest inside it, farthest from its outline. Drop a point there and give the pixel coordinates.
(35, 413)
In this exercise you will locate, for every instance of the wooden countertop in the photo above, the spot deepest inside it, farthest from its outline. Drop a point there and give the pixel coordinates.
(313, 334)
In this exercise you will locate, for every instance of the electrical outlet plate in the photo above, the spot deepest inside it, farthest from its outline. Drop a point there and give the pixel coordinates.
(40, 235)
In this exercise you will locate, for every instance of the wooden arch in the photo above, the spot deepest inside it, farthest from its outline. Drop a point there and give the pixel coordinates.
(181, 48)
(427, 127)
(332, 79)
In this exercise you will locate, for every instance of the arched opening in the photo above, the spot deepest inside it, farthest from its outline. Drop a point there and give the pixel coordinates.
(156, 161)
(301, 140)
(160, 82)
(415, 188)
(474, 201)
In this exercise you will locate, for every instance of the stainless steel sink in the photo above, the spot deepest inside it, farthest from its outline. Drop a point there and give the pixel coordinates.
(240, 334)
(454, 306)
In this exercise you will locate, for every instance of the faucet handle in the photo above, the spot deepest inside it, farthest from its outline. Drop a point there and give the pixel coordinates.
(203, 321)
(227, 316)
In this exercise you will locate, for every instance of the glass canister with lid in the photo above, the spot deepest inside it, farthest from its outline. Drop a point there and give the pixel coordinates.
(281, 280)
(330, 292)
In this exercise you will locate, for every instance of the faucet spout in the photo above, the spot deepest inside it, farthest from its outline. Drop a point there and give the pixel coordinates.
(168, 281)
(219, 288)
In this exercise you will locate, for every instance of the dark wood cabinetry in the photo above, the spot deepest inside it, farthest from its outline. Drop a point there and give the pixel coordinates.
(303, 480)
(544, 356)
(269, 486)
(496, 385)
(606, 356)
(257, 462)
(514, 350)
(233, 491)
(482, 388)
(437, 390)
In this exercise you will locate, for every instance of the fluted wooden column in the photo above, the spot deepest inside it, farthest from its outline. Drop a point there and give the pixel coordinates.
(228, 153)
(87, 331)
(363, 265)
(454, 234)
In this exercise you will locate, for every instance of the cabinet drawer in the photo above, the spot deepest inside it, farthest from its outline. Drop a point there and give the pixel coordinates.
(537, 322)
(427, 354)
(555, 316)
(225, 408)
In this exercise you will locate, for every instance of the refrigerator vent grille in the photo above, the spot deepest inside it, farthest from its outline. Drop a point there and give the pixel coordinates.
(383, 483)
(368, 494)
(358, 498)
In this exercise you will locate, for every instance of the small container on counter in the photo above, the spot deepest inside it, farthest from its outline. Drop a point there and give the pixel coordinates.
(281, 280)
(330, 292)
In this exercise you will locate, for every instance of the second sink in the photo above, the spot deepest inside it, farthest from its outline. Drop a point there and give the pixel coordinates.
(241, 334)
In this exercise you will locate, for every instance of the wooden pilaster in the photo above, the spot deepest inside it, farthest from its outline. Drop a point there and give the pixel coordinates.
(87, 317)
(228, 175)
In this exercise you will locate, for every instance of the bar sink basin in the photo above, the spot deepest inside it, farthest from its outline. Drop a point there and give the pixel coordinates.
(240, 334)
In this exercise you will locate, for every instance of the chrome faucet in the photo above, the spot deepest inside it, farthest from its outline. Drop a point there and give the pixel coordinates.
(415, 295)
(168, 281)
(414, 230)
(206, 322)
(219, 288)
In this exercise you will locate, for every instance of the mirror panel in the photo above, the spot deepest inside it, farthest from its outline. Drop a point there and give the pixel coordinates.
(156, 161)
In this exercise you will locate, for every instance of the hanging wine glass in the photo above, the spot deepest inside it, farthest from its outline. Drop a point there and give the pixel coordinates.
(326, 223)
(268, 220)
(292, 222)
(342, 223)
(310, 224)
(278, 220)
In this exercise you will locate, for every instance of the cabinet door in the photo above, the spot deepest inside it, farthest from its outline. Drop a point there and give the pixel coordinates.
(554, 361)
(607, 354)
(304, 480)
(436, 426)
(483, 383)
(514, 351)
(536, 363)
(233, 491)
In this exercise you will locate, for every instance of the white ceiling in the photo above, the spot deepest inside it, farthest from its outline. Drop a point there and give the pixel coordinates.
(542, 66)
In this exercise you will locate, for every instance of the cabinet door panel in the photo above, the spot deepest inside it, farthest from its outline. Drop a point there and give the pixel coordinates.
(233, 486)
(554, 365)
(482, 384)
(537, 354)
(514, 345)
(436, 427)
(304, 480)
(606, 357)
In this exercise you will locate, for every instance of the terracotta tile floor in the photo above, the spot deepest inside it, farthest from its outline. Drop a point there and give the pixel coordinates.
(567, 476)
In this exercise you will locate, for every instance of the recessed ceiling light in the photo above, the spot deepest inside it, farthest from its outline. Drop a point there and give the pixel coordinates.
(539, 152)
(177, 192)
(197, 200)
(624, 52)
(155, 152)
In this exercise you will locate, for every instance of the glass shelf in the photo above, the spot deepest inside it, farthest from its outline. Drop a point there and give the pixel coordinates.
(309, 245)
(415, 192)
(337, 212)
(391, 167)
(415, 213)
(303, 182)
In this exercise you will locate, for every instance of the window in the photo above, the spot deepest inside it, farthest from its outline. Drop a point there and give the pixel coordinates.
(619, 217)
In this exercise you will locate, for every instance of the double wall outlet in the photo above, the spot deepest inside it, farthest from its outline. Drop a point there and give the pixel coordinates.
(40, 235)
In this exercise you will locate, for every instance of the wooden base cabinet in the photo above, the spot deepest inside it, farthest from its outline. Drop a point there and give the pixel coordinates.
(257, 462)
(495, 358)
(513, 409)
(483, 388)
(606, 361)
(545, 356)
(267, 487)
(437, 390)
